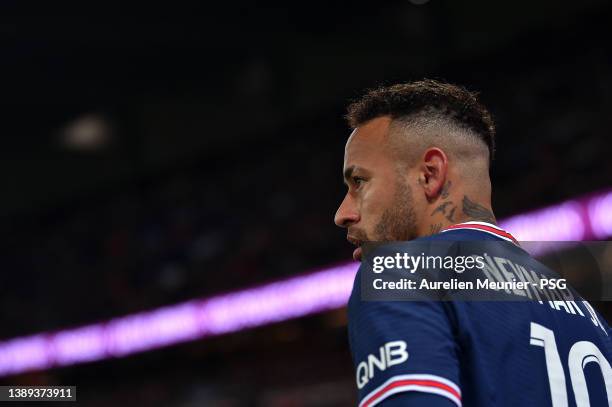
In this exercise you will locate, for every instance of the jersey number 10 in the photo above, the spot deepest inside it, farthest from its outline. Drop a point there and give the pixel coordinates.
(581, 353)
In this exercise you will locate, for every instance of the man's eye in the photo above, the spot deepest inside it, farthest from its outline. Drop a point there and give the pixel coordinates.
(358, 181)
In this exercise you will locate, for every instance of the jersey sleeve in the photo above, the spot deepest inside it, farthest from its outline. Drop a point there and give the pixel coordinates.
(402, 347)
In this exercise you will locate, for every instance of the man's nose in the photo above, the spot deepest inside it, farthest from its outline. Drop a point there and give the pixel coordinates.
(347, 213)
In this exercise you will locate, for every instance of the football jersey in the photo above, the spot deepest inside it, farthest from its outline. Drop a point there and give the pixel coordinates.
(480, 353)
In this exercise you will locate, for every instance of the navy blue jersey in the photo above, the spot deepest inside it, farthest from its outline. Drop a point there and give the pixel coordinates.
(476, 353)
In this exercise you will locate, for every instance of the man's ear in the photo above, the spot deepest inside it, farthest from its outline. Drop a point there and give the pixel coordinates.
(433, 172)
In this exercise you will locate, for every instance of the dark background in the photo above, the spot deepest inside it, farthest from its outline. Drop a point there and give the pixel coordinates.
(215, 158)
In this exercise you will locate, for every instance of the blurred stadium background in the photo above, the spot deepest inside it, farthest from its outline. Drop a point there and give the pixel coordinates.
(186, 151)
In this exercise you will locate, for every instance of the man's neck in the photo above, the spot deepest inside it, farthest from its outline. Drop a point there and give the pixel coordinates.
(451, 211)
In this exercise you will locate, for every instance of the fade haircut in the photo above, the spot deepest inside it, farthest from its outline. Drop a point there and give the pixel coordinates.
(426, 100)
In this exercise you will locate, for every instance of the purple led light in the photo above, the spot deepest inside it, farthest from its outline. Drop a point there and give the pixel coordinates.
(153, 329)
(279, 301)
(558, 223)
(77, 345)
(600, 215)
(274, 302)
(23, 354)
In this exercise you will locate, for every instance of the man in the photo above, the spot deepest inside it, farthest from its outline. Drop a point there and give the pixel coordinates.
(417, 169)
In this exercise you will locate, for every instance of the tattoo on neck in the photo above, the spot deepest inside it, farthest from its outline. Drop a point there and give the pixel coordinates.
(451, 214)
(447, 209)
(476, 211)
(435, 228)
(441, 208)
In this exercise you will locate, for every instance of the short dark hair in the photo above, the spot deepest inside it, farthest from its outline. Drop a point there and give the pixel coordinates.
(456, 103)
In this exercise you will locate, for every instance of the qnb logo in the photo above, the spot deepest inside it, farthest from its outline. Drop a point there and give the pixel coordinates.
(390, 354)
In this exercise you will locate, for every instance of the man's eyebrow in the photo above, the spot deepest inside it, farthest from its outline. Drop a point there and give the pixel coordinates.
(349, 172)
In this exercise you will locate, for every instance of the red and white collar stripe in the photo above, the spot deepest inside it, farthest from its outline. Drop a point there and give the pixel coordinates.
(483, 227)
(426, 383)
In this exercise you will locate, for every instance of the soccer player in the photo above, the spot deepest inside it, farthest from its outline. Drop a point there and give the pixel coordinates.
(417, 169)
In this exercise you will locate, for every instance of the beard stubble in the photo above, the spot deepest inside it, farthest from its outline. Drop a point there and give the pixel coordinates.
(398, 222)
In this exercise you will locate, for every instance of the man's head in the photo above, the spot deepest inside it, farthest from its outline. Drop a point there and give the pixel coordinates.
(417, 160)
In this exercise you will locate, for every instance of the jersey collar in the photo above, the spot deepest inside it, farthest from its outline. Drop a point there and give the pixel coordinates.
(483, 227)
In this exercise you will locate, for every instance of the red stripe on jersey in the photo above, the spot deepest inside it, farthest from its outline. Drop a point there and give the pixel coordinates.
(490, 229)
(400, 383)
